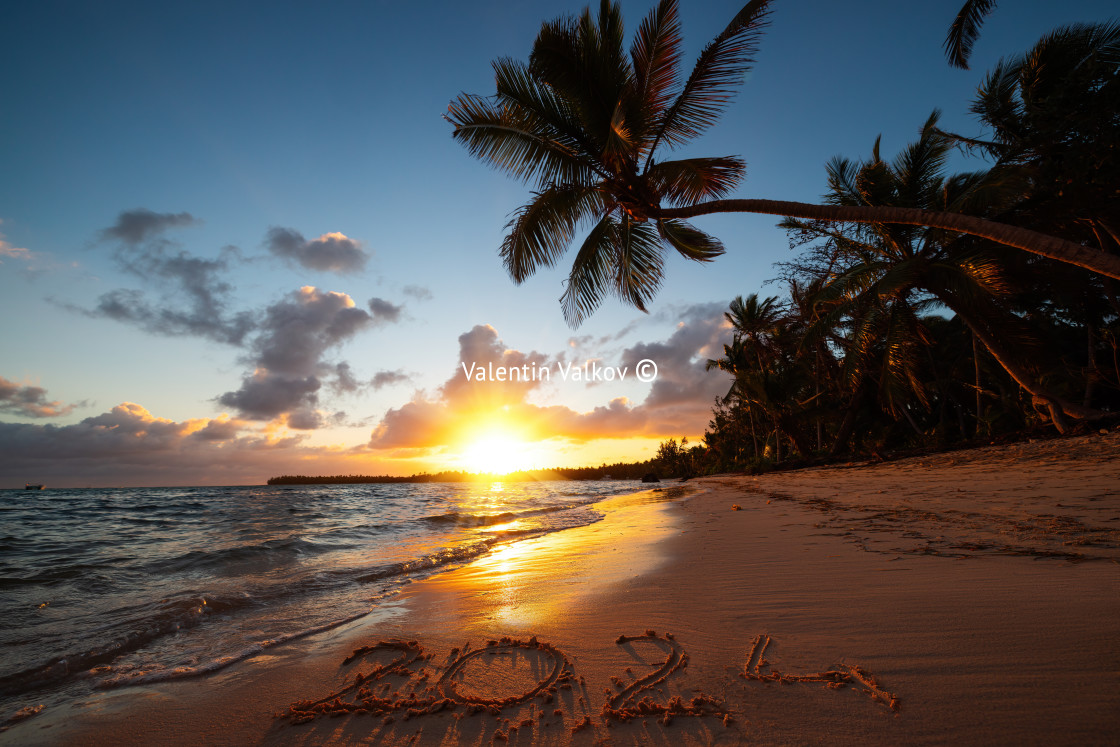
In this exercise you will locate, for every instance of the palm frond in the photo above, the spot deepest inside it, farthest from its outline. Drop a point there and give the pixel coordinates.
(655, 55)
(919, 168)
(513, 142)
(720, 67)
(582, 61)
(550, 115)
(541, 230)
(555, 59)
(689, 180)
(978, 192)
(899, 278)
(904, 339)
(966, 30)
(590, 278)
(752, 316)
(690, 241)
(842, 173)
(997, 103)
(987, 273)
(621, 145)
(976, 286)
(640, 263)
(875, 184)
(861, 342)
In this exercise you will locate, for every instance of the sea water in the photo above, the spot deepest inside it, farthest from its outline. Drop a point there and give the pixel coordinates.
(101, 588)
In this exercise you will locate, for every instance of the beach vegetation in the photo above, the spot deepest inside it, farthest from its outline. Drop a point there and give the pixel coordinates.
(899, 338)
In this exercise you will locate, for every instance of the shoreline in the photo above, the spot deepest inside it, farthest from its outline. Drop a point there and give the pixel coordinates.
(980, 590)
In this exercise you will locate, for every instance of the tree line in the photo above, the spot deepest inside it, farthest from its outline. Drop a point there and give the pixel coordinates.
(617, 471)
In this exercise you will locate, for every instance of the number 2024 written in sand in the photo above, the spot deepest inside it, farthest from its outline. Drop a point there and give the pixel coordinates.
(431, 688)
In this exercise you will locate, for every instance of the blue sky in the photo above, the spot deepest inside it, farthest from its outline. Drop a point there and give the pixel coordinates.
(328, 120)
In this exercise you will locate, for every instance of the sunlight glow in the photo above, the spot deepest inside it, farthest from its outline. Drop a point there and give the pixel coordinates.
(496, 453)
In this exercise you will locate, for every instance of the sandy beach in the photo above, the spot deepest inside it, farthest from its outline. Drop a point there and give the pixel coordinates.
(965, 597)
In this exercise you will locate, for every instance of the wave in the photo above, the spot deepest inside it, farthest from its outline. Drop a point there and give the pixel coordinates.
(169, 617)
(62, 574)
(228, 556)
(480, 520)
(430, 562)
(471, 520)
(184, 672)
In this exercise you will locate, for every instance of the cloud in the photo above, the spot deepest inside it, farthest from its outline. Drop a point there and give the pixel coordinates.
(389, 378)
(125, 431)
(141, 225)
(304, 419)
(419, 292)
(331, 252)
(194, 296)
(265, 395)
(128, 445)
(31, 401)
(287, 354)
(297, 331)
(219, 429)
(678, 403)
(286, 342)
(384, 312)
(14, 252)
(33, 263)
(681, 359)
(195, 281)
(345, 381)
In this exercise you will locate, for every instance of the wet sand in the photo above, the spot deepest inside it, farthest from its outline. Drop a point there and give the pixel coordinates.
(969, 597)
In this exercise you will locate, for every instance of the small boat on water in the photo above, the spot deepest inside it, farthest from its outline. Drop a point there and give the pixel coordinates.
(33, 486)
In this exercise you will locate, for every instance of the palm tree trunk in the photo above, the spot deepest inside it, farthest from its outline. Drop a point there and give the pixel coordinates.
(1057, 406)
(849, 423)
(817, 393)
(754, 433)
(960, 410)
(976, 370)
(1091, 367)
(910, 420)
(1115, 360)
(1020, 238)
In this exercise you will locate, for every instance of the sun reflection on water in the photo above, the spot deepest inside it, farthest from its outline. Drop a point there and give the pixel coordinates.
(537, 581)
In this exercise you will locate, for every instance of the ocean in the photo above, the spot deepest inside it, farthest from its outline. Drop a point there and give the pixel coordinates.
(106, 587)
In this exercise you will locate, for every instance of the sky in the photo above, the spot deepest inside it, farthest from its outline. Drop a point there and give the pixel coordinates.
(238, 240)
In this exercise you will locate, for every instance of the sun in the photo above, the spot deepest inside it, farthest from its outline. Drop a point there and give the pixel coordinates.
(496, 454)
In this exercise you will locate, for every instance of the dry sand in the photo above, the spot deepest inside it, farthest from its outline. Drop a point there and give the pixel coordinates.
(970, 597)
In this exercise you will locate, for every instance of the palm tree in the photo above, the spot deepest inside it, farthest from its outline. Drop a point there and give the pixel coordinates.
(1052, 115)
(737, 361)
(584, 122)
(899, 269)
(755, 322)
(771, 377)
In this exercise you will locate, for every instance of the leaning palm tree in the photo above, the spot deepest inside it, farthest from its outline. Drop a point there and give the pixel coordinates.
(584, 122)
